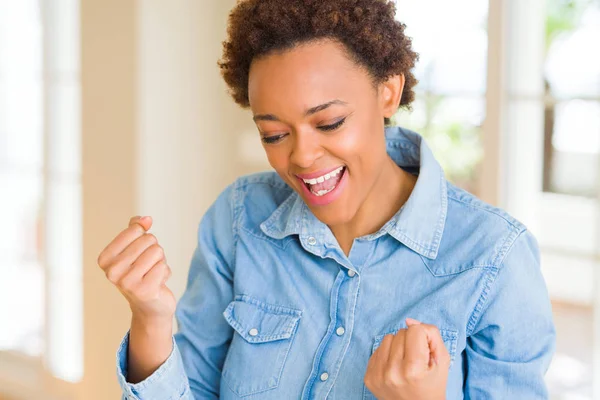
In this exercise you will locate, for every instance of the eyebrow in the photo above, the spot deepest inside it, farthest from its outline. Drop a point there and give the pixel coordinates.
(310, 111)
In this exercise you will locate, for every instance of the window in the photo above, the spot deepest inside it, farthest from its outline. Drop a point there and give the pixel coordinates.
(40, 206)
(541, 139)
(572, 98)
(449, 108)
(21, 177)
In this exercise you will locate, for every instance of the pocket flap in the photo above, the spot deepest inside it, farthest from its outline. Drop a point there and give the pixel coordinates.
(259, 322)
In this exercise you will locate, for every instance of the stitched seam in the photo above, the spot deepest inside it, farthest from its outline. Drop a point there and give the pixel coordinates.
(418, 247)
(440, 227)
(236, 213)
(287, 352)
(338, 364)
(164, 369)
(262, 338)
(470, 267)
(508, 244)
(322, 345)
(513, 224)
(272, 308)
(490, 279)
(284, 206)
(449, 335)
(281, 243)
(335, 315)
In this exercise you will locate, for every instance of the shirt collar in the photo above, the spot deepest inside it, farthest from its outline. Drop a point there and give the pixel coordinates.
(419, 224)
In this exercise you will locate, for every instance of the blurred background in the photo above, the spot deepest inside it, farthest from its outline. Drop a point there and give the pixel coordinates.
(112, 108)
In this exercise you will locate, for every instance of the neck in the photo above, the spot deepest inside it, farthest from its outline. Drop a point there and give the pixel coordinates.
(390, 192)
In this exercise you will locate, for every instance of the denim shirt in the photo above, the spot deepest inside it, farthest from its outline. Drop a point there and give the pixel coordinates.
(274, 309)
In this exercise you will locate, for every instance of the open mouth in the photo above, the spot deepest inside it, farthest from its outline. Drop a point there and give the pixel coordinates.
(326, 183)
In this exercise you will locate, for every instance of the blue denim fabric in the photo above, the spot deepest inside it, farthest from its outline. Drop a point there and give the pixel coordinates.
(269, 288)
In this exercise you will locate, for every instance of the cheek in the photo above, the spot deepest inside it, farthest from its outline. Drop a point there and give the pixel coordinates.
(362, 143)
(278, 158)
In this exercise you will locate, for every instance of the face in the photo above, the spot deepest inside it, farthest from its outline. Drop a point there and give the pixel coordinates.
(321, 120)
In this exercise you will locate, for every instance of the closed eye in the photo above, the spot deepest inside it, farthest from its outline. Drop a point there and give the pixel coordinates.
(332, 127)
(273, 139)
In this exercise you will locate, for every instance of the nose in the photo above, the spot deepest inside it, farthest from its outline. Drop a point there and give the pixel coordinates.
(307, 149)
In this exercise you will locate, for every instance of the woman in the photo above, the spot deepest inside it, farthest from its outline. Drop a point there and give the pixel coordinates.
(305, 279)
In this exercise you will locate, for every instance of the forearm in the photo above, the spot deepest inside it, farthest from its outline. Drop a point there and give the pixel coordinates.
(150, 344)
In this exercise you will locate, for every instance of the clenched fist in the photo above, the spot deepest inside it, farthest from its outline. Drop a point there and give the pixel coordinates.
(135, 263)
(411, 365)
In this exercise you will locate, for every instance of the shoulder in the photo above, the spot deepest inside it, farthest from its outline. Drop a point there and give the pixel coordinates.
(467, 209)
(476, 234)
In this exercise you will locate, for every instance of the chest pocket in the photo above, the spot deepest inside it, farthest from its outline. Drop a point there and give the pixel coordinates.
(260, 345)
(449, 336)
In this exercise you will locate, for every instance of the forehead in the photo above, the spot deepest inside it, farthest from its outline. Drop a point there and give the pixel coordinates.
(304, 76)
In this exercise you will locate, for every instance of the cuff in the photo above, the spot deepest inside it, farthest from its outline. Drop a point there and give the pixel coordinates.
(168, 382)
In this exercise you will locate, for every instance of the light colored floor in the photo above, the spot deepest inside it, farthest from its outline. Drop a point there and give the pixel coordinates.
(570, 375)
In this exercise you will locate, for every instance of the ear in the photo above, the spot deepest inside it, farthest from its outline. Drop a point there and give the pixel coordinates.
(390, 94)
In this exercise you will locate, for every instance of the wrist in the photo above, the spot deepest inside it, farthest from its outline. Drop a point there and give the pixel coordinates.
(152, 325)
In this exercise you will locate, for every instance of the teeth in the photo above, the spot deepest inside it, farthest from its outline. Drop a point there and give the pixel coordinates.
(322, 192)
(323, 178)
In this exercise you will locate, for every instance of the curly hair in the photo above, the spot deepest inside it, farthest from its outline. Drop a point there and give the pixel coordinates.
(368, 29)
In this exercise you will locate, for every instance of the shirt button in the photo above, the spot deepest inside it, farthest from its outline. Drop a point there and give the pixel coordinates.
(351, 273)
(340, 331)
(253, 332)
(324, 376)
(312, 241)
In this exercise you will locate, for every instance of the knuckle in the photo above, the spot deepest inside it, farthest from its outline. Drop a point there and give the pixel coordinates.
(391, 378)
(411, 372)
(156, 249)
(151, 238)
(127, 284)
(431, 328)
(100, 260)
(112, 275)
(159, 268)
(164, 269)
(159, 251)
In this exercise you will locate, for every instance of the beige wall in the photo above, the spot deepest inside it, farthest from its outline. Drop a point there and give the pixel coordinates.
(156, 123)
(109, 124)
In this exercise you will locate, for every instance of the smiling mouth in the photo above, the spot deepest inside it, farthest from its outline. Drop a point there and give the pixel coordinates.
(324, 184)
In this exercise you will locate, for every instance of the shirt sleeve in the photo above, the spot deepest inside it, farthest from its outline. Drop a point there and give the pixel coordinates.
(193, 370)
(513, 338)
